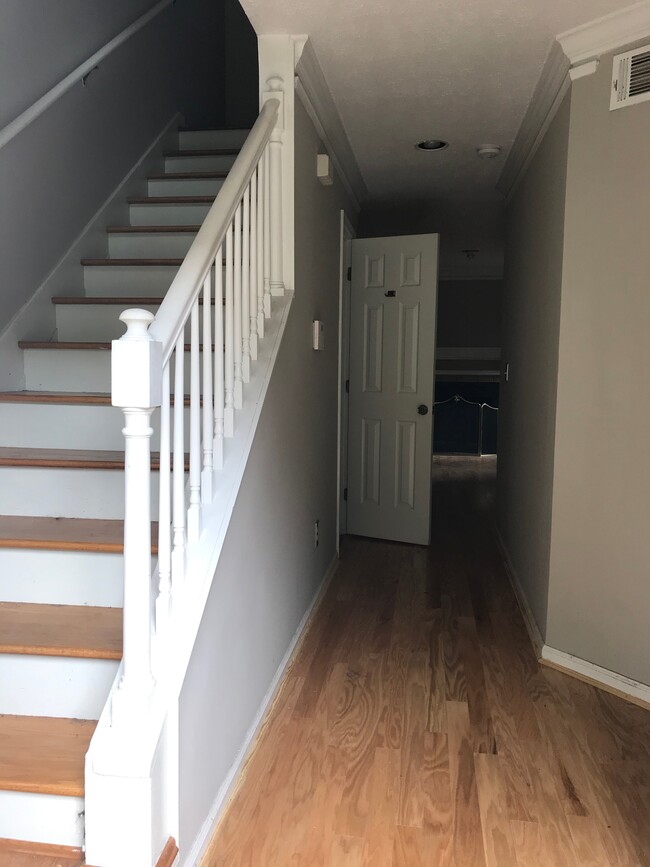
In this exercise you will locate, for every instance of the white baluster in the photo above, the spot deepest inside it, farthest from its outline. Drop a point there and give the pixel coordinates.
(229, 411)
(194, 511)
(218, 362)
(163, 602)
(260, 248)
(253, 269)
(239, 383)
(136, 362)
(178, 469)
(275, 190)
(267, 237)
(245, 289)
(207, 473)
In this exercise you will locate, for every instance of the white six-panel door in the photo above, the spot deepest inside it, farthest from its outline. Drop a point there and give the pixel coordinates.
(392, 358)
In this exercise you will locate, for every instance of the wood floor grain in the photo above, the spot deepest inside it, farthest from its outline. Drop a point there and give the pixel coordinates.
(415, 726)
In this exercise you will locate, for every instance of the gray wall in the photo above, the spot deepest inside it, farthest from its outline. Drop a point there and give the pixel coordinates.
(469, 313)
(269, 569)
(600, 554)
(532, 289)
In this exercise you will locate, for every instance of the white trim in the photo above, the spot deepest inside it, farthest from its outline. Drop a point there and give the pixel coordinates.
(583, 69)
(228, 786)
(18, 124)
(548, 95)
(611, 681)
(527, 612)
(315, 95)
(615, 30)
(346, 234)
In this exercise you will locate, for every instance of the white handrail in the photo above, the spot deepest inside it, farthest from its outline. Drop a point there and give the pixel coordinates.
(30, 114)
(152, 366)
(177, 304)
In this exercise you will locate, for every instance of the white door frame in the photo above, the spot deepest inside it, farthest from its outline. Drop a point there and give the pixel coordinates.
(347, 233)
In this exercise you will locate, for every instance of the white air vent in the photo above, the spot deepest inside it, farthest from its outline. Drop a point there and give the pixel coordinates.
(631, 78)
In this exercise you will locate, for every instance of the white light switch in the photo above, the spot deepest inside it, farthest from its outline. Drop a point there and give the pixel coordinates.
(318, 334)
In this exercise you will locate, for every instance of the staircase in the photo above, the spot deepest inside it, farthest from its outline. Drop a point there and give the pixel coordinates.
(62, 510)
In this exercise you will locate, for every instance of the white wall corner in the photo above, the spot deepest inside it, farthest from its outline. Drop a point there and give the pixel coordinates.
(610, 681)
(547, 97)
(612, 31)
(527, 613)
(316, 97)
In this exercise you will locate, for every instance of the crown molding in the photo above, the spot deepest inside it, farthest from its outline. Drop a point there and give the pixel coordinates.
(607, 33)
(315, 95)
(550, 91)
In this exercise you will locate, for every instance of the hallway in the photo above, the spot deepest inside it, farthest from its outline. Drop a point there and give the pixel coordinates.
(415, 726)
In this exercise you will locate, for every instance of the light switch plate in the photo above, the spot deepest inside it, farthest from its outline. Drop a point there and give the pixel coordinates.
(318, 328)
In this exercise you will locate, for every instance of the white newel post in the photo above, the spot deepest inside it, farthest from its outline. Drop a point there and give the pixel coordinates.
(274, 91)
(136, 369)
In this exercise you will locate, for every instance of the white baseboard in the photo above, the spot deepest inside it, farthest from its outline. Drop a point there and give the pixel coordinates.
(228, 786)
(529, 618)
(611, 681)
(589, 672)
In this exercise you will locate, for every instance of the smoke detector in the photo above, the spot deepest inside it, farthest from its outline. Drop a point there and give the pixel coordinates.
(488, 151)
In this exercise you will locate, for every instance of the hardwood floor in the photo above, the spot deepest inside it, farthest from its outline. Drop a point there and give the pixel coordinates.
(415, 726)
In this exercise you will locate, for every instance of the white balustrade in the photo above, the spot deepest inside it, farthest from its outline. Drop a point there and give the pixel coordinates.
(149, 371)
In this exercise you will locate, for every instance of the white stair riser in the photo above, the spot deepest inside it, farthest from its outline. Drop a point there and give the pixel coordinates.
(216, 163)
(185, 186)
(92, 322)
(53, 819)
(211, 138)
(128, 279)
(57, 686)
(150, 246)
(61, 577)
(168, 215)
(97, 322)
(66, 493)
(25, 425)
(79, 370)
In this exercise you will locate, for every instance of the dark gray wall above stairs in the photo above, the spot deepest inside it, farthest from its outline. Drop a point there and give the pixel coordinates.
(58, 172)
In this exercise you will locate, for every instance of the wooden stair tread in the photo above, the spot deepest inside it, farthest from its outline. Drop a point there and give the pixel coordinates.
(90, 459)
(132, 262)
(80, 631)
(66, 534)
(152, 230)
(197, 176)
(204, 152)
(24, 853)
(118, 300)
(73, 398)
(171, 200)
(44, 755)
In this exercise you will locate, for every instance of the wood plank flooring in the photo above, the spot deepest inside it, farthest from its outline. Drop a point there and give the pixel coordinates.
(415, 726)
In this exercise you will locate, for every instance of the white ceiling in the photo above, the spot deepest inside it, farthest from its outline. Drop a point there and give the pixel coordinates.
(461, 70)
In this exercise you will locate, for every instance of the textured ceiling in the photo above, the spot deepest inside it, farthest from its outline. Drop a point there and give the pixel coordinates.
(404, 70)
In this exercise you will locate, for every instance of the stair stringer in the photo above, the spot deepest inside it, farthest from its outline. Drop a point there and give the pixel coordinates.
(36, 317)
(132, 765)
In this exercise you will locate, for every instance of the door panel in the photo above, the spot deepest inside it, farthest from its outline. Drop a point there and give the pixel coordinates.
(392, 352)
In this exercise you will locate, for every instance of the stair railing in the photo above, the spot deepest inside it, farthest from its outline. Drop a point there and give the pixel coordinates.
(219, 300)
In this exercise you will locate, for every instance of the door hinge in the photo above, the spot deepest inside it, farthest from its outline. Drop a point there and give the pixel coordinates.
(347, 386)
(350, 273)
(345, 494)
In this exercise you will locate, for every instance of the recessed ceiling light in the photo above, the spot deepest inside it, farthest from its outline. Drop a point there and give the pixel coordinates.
(488, 151)
(432, 144)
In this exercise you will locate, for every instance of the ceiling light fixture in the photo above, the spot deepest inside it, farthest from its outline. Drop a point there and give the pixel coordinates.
(432, 144)
(488, 151)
